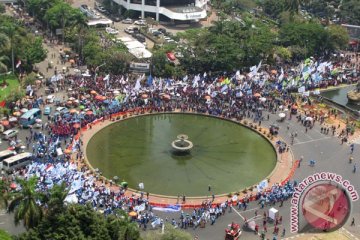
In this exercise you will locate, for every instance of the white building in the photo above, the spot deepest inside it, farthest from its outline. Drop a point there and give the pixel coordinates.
(181, 10)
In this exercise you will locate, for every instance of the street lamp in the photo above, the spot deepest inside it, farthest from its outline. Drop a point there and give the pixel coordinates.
(96, 69)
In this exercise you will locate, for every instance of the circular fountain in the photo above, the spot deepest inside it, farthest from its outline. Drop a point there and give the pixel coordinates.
(182, 144)
(216, 152)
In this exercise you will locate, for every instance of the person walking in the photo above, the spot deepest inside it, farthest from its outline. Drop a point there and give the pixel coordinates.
(352, 222)
(354, 169)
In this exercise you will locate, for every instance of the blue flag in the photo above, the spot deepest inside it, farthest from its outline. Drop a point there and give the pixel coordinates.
(150, 81)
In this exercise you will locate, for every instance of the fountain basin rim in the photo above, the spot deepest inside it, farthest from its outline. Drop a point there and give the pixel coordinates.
(178, 148)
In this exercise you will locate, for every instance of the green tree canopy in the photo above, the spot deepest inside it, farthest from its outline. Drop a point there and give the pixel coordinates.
(310, 36)
(31, 51)
(273, 8)
(25, 204)
(227, 45)
(81, 222)
(63, 15)
(2, 8)
(350, 11)
(338, 37)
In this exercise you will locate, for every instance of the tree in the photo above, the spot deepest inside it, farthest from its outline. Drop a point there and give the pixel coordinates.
(25, 204)
(64, 15)
(29, 79)
(309, 36)
(55, 198)
(273, 8)
(292, 5)
(2, 8)
(17, 43)
(227, 45)
(9, 29)
(338, 37)
(3, 65)
(160, 65)
(81, 222)
(93, 54)
(4, 42)
(322, 8)
(350, 11)
(38, 8)
(282, 53)
(4, 193)
(117, 61)
(31, 52)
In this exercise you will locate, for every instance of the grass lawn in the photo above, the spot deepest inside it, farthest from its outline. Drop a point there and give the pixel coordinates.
(4, 235)
(13, 84)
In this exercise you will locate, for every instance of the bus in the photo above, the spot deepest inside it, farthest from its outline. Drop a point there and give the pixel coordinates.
(6, 154)
(17, 161)
(30, 117)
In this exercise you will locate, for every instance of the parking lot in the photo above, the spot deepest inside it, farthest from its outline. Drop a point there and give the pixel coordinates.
(168, 27)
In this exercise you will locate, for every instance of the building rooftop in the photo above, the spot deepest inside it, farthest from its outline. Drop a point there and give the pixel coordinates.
(184, 9)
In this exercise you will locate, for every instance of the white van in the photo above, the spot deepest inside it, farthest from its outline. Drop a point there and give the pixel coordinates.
(9, 134)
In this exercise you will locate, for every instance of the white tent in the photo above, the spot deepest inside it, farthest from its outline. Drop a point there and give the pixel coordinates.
(273, 213)
(140, 53)
(134, 44)
(125, 39)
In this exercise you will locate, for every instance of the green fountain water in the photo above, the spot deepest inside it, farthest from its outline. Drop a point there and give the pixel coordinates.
(225, 155)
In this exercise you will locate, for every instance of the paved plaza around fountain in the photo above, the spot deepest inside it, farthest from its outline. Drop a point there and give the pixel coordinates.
(330, 156)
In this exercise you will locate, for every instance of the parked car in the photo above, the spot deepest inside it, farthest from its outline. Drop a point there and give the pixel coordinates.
(127, 21)
(139, 37)
(101, 9)
(115, 18)
(162, 30)
(110, 30)
(50, 99)
(156, 33)
(140, 22)
(62, 110)
(171, 56)
(9, 134)
(47, 110)
(170, 41)
(131, 30)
